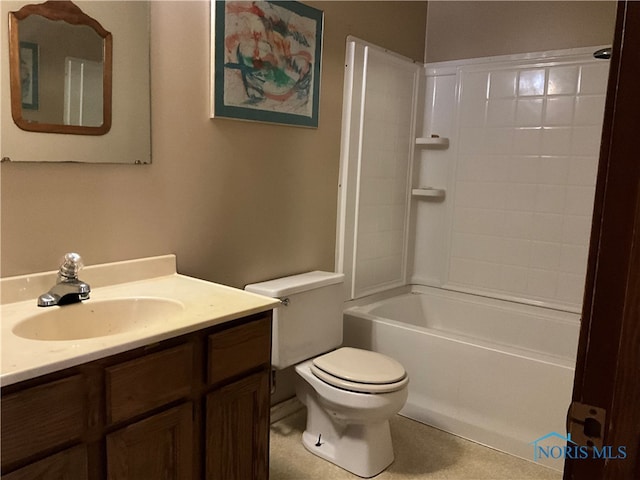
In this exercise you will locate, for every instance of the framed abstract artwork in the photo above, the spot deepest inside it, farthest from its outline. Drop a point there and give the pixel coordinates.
(265, 61)
(29, 75)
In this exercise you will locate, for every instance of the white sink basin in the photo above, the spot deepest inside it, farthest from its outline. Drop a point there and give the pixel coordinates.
(91, 319)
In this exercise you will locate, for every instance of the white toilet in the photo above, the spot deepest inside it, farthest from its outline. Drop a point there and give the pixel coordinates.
(350, 393)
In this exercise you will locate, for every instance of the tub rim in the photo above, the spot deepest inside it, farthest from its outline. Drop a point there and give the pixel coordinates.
(363, 310)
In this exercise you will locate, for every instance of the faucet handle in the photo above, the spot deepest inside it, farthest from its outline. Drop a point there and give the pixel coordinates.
(71, 265)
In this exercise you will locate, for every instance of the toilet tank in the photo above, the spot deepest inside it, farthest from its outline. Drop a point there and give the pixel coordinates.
(309, 321)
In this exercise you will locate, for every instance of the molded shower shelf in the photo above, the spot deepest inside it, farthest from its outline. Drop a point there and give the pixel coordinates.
(433, 142)
(429, 193)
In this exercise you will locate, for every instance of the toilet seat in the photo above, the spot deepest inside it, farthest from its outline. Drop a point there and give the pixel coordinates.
(359, 370)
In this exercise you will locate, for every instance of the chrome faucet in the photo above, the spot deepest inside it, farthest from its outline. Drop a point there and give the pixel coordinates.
(68, 288)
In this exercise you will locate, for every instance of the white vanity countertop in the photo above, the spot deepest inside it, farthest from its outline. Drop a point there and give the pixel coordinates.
(205, 304)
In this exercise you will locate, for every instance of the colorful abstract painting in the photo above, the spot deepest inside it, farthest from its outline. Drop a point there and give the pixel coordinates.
(266, 61)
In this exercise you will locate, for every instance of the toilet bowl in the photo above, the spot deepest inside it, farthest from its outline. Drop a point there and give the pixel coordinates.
(349, 428)
(350, 394)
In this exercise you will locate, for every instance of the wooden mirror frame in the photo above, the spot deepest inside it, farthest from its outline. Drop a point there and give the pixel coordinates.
(70, 13)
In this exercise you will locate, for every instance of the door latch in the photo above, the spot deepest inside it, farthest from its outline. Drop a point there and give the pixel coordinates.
(585, 423)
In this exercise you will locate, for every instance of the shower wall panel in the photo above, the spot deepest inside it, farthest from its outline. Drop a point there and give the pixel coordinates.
(377, 149)
(434, 168)
(525, 146)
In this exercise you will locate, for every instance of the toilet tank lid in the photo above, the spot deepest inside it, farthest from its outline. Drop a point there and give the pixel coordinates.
(281, 287)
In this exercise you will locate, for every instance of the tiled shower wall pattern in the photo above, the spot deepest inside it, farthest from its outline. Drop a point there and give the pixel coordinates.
(527, 154)
(386, 143)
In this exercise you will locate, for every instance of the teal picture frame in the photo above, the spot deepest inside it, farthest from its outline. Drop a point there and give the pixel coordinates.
(266, 61)
(29, 75)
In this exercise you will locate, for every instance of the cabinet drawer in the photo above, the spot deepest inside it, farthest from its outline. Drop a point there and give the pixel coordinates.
(140, 385)
(70, 464)
(43, 417)
(239, 349)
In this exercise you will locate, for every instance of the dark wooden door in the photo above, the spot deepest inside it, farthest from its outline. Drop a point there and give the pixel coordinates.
(608, 367)
(237, 430)
(156, 448)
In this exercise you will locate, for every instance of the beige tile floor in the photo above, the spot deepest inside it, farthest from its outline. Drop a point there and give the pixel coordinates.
(421, 452)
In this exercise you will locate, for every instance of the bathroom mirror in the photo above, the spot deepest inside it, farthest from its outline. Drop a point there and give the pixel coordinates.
(60, 62)
(93, 106)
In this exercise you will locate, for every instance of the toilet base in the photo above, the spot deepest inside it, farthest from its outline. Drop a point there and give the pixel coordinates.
(354, 452)
(362, 449)
(349, 429)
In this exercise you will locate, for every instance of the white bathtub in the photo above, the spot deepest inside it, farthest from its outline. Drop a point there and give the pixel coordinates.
(496, 372)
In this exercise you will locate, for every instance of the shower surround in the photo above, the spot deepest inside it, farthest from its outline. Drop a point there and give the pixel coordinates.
(520, 175)
(481, 186)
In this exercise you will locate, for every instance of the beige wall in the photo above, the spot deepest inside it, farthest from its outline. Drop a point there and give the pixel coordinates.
(237, 202)
(241, 202)
(468, 29)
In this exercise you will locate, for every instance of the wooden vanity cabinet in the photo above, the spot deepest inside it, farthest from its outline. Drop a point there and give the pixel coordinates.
(70, 464)
(189, 408)
(158, 447)
(237, 416)
(237, 426)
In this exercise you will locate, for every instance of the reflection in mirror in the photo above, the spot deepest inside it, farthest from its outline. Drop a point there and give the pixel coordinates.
(128, 140)
(60, 66)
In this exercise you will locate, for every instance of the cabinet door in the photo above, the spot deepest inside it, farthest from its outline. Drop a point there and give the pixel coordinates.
(157, 448)
(70, 464)
(41, 418)
(237, 430)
